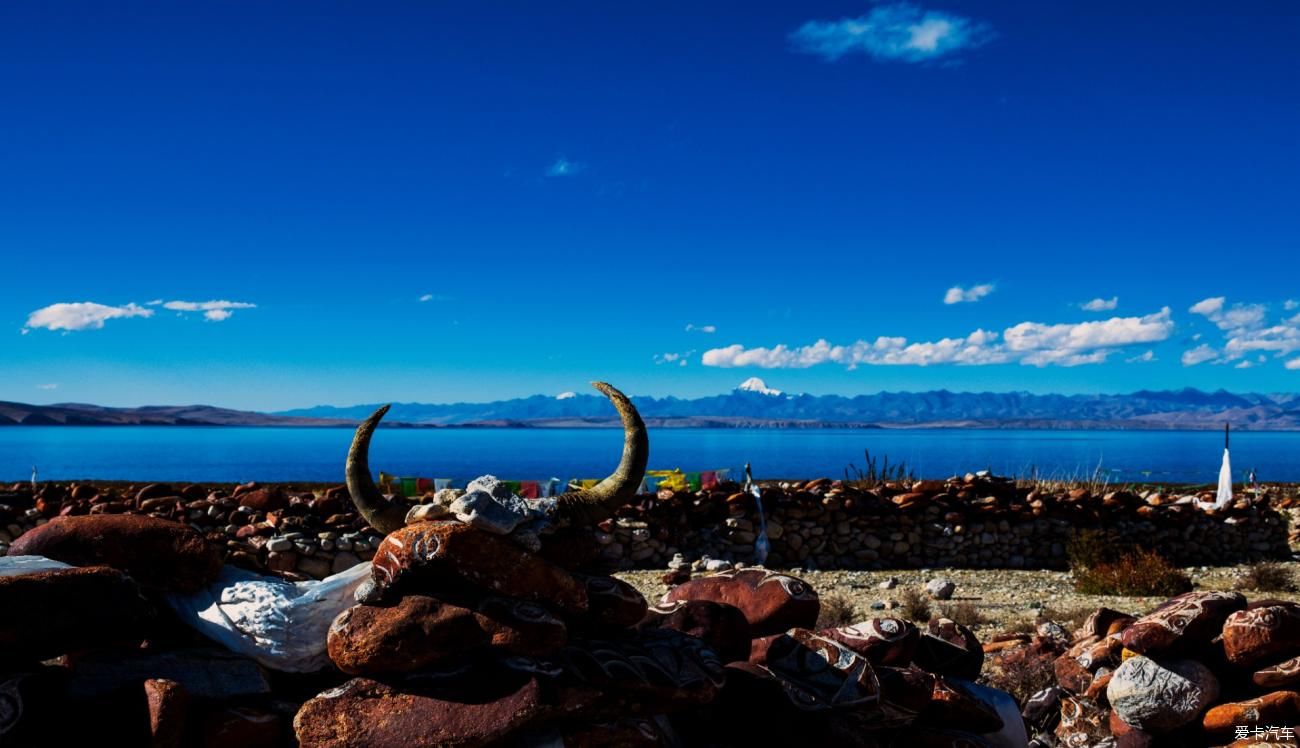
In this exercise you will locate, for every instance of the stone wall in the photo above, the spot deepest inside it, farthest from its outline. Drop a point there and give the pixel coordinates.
(983, 523)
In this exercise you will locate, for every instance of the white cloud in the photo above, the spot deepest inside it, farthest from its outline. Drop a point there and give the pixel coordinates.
(1199, 355)
(1244, 365)
(1101, 305)
(433, 297)
(1293, 364)
(957, 294)
(897, 31)
(1110, 333)
(213, 311)
(51, 386)
(566, 396)
(1029, 343)
(709, 329)
(680, 359)
(1144, 358)
(1208, 306)
(1246, 331)
(563, 167)
(1291, 305)
(80, 315)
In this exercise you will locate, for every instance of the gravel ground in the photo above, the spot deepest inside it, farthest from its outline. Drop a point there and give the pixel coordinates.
(1005, 597)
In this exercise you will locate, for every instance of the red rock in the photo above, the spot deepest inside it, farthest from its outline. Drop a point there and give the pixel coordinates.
(1262, 634)
(771, 602)
(883, 641)
(1081, 722)
(1285, 673)
(1182, 623)
(84, 492)
(168, 704)
(1126, 735)
(419, 632)
(364, 712)
(438, 556)
(612, 601)
(1277, 708)
(242, 727)
(263, 499)
(51, 613)
(1161, 696)
(157, 553)
(721, 626)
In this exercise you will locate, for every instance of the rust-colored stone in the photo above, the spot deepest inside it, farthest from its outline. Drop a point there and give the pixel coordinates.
(157, 553)
(450, 556)
(771, 602)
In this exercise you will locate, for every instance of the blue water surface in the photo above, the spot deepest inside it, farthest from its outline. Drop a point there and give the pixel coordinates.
(180, 453)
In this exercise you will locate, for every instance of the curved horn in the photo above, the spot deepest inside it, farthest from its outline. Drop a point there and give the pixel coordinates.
(602, 499)
(381, 515)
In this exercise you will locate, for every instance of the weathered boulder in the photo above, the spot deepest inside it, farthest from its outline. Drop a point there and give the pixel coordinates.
(1277, 708)
(1283, 674)
(1262, 634)
(263, 499)
(242, 726)
(418, 632)
(49, 613)
(953, 702)
(940, 588)
(771, 602)
(368, 713)
(157, 553)
(451, 557)
(1161, 696)
(1182, 623)
(883, 641)
(723, 627)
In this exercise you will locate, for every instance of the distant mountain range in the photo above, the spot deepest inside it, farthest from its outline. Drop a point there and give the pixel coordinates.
(751, 405)
(754, 404)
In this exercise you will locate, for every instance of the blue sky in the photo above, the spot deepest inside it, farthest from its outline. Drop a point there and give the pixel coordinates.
(340, 203)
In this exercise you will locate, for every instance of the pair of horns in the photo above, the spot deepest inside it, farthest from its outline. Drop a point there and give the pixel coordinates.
(589, 504)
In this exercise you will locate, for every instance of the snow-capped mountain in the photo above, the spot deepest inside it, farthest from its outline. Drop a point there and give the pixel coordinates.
(754, 384)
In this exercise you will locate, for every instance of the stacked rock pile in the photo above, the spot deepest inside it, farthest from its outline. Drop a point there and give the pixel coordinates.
(467, 637)
(295, 534)
(1203, 669)
(89, 653)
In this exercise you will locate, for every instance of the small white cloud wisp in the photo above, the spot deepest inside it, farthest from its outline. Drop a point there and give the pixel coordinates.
(1100, 305)
(892, 32)
(959, 295)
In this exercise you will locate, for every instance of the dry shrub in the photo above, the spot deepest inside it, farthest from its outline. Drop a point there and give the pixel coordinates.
(1136, 571)
(1267, 577)
(837, 610)
(914, 605)
(1020, 673)
(966, 613)
(1020, 626)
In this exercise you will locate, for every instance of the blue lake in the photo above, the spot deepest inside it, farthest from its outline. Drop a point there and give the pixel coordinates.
(176, 453)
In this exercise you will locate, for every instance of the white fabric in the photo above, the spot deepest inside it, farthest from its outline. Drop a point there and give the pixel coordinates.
(281, 624)
(12, 566)
(1224, 496)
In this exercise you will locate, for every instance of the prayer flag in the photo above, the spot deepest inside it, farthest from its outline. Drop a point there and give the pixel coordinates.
(528, 489)
(409, 486)
(708, 479)
(693, 481)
